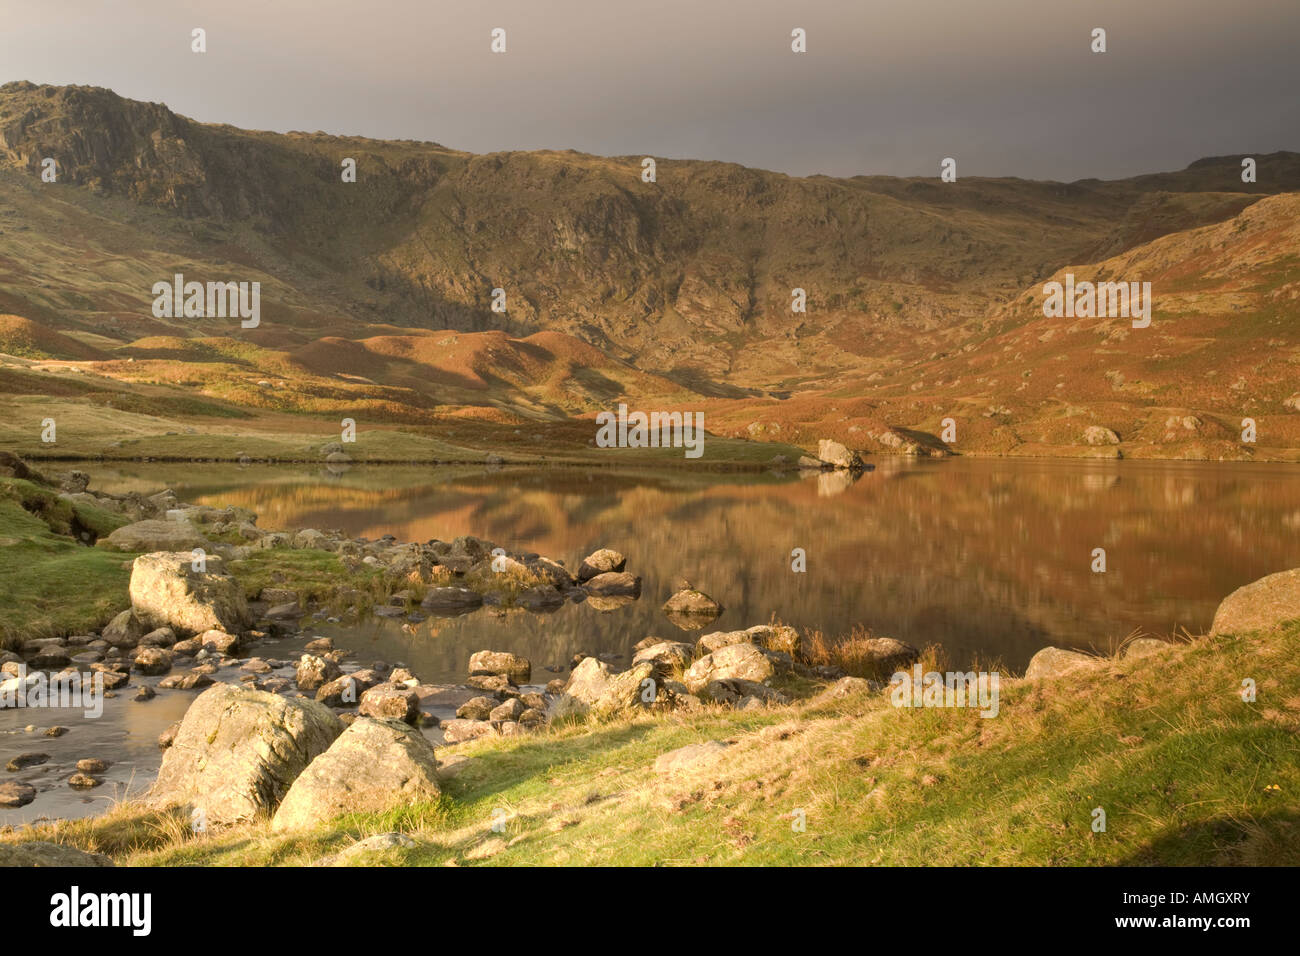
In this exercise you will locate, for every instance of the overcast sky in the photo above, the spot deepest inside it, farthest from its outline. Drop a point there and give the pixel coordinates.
(1007, 87)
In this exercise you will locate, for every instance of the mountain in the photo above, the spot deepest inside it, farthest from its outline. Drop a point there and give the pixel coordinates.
(924, 298)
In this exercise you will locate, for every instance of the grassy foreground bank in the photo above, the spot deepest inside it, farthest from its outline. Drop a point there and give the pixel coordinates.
(1185, 770)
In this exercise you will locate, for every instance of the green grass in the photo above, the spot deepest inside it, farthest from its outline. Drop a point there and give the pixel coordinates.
(53, 584)
(1187, 772)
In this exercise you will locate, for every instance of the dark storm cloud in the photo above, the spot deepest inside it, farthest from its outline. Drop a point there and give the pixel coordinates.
(1007, 87)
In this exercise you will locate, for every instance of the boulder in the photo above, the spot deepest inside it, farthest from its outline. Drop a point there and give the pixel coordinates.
(1145, 646)
(667, 656)
(125, 630)
(390, 701)
(167, 592)
(16, 794)
(1260, 606)
(1100, 435)
(451, 600)
(374, 765)
(216, 642)
(689, 602)
(346, 691)
(614, 584)
(882, 656)
(743, 661)
(153, 660)
(156, 535)
(837, 455)
(593, 688)
(476, 708)
(459, 730)
(237, 752)
(604, 561)
(741, 692)
(773, 637)
(689, 757)
(514, 668)
(1056, 661)
(848, 687)
(314, 672)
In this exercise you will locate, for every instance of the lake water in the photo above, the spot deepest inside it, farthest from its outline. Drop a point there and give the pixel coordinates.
(992, 558)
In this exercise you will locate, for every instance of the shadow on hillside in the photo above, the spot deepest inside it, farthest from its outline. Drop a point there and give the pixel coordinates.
(1270, 840)
(546, 754)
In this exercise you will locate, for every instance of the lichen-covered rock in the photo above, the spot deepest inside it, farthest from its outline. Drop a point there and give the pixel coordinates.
(374, 765)
(166, 591)
(237, 752)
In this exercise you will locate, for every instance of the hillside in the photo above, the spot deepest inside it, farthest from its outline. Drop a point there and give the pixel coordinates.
(924, 298)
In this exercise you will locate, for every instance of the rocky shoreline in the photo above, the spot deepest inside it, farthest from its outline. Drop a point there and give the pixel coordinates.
(306, 737)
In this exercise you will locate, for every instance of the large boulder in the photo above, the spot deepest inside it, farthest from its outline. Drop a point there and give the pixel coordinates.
(238, 751)
(1260, 606)
(512, 667)
(156, 535)
(375, 765)
(740, 661)
(1057, 661)
(166, 591)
